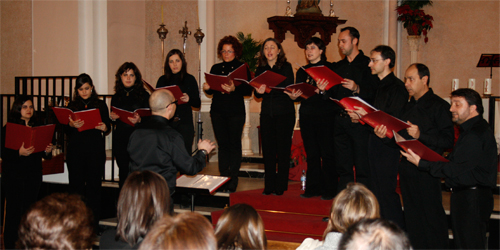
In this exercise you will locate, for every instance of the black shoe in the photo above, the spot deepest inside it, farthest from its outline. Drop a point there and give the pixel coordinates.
(267, 192)
(278, 193)
(325, 219)
(327, 197)
(308, 195)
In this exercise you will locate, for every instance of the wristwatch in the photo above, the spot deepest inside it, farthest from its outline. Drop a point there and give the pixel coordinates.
(204, 152)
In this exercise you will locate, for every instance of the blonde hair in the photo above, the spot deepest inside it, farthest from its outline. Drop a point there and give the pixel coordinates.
(351, 205)
(240, 227)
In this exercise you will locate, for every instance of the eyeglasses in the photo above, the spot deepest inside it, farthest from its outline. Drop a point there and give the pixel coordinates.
(174, 102)
(374, 60)
(227, 52)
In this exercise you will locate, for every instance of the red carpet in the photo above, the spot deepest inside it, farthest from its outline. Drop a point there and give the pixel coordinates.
(288, 217)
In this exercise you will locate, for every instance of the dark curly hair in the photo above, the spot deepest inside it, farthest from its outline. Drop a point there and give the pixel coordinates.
(233, 41)
(168, 70)
(281, 56)
(125, 67)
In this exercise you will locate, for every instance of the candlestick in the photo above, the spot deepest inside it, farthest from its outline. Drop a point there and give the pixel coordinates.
(162, 13)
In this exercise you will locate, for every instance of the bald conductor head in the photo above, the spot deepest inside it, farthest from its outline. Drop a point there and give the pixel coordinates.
(163, 103)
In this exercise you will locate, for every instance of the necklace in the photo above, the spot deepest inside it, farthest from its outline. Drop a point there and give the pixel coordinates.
(86, 103)
(128, 91)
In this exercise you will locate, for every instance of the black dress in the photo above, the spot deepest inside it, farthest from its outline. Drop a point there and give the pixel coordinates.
(277, 119)
(183, 117)
(86, 156)
(21, 181)
(128, 99)
(228, 117)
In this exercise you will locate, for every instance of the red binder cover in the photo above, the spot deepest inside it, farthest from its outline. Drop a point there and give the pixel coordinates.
(269, 78)
(176, 91)
(216, 81)
(91, 117)
(125, 114)
(418, 148)
(39, 137)
(323, 72)
(381, 118)
(350, 102)
(307, 89)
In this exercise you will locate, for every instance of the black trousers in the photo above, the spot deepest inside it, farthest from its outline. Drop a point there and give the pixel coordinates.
(185, 127)
(351, 149)
(228, 130)
(384, 161)
(20, 195)
(425, 218)
(470, 212)
(85, 171)
(276, 132)
(317, 135)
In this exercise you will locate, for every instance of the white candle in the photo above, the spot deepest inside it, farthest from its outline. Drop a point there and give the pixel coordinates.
(472, 83)
(454, 84)
(487, 86)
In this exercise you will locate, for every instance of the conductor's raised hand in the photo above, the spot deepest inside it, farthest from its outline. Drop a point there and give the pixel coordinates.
(136, 119)
(76, 124)
(380, 131)
(101, 126)
(26, 151)
(413, 130)
(411, 157)
(261, 90)
(185, 97)
(229, 87)
(294, 94)
(206, 145)
(206, 86)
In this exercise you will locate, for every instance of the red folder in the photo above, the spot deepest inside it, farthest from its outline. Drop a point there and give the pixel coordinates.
(176, 91)
(125, 114)
(307, 89)
(418, 148)
(216, 81)
(269, 78)
(39, 137)
(379, 117)
(323, 72)
(351, 102)
(91, 117)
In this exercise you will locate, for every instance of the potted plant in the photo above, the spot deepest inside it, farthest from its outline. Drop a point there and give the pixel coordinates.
(414, 20)
(251, 49)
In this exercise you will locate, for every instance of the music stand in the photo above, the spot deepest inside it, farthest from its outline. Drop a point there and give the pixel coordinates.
(489, 60)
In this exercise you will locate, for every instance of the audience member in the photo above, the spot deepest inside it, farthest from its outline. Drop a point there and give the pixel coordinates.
(351, 205)
(185, 231)
(240, 227)
(58, 221)
(143, 201)
(374, 234)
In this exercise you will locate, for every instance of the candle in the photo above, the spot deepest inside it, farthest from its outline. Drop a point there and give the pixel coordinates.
(472, 83)
(487, 86)
(454, 84)
(162, 13)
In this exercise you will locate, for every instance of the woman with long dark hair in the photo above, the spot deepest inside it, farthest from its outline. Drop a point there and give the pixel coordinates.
(317, 115)
(86, 155)
(176, 74)
(21, 170)
(228, 110)
(277, 118)
(129, 95)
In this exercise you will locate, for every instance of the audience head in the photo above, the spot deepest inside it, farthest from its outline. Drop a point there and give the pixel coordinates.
(144, 199)
(184, 231)
(22, 111)
(240, 227)
(351, 205)
(374, 234)
(348, 40)
(58, 221)
(315, 50)
(465, 104)
(417, 78)
(175, 63)
(127, 76)
(163, 103)
(229, 48)
(84, 88)
(271, 50)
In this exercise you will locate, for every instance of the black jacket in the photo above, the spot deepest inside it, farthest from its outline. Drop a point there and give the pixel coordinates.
(275, 102)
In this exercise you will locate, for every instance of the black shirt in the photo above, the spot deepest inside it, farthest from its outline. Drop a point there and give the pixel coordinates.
(187, 85)
(232, 103)
(473, 161)
(316, 104)
(275, 102)
(391, 95)
(157, 147)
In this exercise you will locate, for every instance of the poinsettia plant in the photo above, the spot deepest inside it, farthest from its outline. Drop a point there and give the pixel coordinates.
(414, 20)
